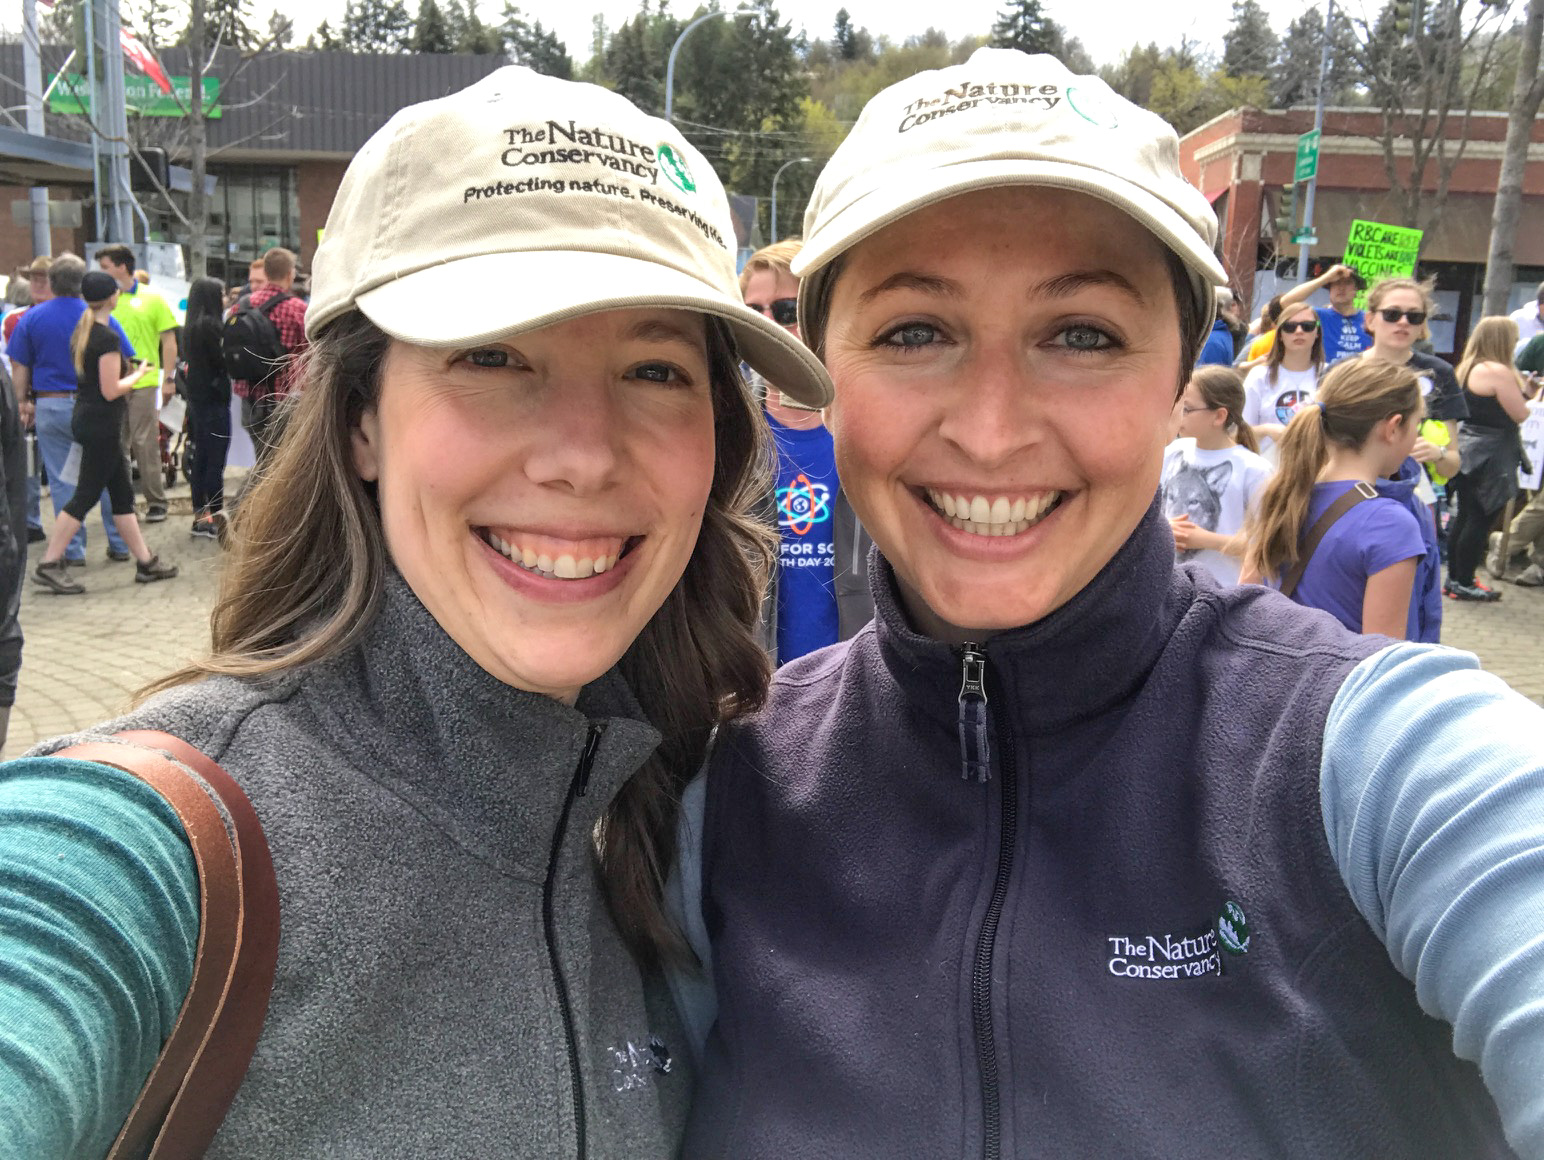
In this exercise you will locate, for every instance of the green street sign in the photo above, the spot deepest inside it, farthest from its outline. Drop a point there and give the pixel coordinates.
(141, 96)
(1305, 237)
(1307, 167)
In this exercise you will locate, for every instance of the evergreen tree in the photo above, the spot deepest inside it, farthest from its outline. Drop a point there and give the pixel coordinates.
(472, 35)
(430, 31)
(1024, 26)
(378, 26)
(324, 39)
(228, 23)
(535, 47)
(845, 38)
(1295, 76)
(1249, 45)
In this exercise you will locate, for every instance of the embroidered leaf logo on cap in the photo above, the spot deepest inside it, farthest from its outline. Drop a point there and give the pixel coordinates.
(675, 168)
(1233, 929)
(1093, 107)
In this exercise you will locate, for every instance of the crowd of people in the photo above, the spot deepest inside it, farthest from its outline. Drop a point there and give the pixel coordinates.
(1030, 843)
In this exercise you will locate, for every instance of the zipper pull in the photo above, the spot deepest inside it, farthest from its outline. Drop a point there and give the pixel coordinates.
(975, 746)
(587, 757)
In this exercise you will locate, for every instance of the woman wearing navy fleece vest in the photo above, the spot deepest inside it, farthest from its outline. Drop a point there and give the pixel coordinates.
(1071, 852)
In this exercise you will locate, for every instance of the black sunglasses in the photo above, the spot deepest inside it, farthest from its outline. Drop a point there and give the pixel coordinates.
(1306, 325)
(784, 311)
(1394, 314)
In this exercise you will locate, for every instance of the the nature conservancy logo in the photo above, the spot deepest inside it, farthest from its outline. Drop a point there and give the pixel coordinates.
(1164, 956)
(969, 95)
(675, 168)
(1233, 929)
(565, 157)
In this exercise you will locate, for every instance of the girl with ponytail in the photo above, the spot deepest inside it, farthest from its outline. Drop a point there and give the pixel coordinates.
(1354, 436)
(1212, 472)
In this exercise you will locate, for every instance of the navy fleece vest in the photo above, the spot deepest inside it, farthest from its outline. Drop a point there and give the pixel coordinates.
(1130, 939)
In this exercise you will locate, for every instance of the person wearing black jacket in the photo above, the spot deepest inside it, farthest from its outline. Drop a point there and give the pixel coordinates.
(209, 406)
(13, 544)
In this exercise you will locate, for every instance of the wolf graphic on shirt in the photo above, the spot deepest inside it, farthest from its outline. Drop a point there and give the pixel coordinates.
(1196, 492)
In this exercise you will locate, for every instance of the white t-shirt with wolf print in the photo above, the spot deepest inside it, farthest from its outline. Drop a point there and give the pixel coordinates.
(1215, 489)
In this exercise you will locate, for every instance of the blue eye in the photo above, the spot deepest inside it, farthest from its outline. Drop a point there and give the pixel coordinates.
(491, 357)
(911, 336)
(1085, 338)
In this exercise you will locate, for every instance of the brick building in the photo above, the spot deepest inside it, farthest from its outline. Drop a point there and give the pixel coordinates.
(1243, 162)
(290, 124)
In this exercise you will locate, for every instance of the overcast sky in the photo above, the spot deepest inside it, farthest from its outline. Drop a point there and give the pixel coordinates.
(1106, 27)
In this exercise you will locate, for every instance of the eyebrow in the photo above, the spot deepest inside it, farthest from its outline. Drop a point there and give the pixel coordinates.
(1066, 285)
(905, 280)
(658, 330)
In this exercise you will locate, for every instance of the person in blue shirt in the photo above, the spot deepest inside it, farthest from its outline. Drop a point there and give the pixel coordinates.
(819, 590)
(1343, 324)
(43, 372)
(1219, 348)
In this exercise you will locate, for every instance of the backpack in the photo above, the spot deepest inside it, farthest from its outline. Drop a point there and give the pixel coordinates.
(250, 346)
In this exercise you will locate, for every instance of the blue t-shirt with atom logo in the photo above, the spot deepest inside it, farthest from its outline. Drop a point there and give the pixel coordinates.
(806, 495)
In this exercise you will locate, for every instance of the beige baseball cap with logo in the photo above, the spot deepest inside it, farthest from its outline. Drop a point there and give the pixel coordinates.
(1004, 118)
(523, 201)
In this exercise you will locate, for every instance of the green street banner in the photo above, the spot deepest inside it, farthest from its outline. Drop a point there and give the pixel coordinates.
(144, 99)
(1375, 250)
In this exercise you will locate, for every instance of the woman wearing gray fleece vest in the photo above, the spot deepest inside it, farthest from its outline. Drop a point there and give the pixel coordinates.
(1071, 852)
(486, 602)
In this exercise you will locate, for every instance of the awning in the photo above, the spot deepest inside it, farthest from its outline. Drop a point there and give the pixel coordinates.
(30, 159)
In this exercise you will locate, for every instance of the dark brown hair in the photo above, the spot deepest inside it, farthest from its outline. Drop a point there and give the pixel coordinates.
(286, 602)
(1223, 390)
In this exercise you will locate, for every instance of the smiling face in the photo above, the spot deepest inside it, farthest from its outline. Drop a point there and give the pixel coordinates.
(543, 494)
(1003, 397)
(1395, 336)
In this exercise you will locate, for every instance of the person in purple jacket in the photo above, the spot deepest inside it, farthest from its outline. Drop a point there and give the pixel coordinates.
(1072, 852)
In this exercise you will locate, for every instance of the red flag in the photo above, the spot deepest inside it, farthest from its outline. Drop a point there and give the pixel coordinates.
(144, 60)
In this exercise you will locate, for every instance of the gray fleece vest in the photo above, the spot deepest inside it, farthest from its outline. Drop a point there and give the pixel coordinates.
(449, 981)
(1067, 894)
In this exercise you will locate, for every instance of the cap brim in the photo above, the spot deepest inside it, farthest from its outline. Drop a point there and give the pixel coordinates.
(891, 202)
(480, 298)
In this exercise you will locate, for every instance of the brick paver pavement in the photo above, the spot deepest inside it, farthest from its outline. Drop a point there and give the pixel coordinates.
(86, 655)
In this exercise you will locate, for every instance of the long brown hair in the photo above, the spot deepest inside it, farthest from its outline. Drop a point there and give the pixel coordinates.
(1353, 398)
(1223, 390)
(284, 602)
(1278, 351)
(1492, 340)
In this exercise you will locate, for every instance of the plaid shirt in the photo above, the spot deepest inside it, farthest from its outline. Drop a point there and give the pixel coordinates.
(289, 319)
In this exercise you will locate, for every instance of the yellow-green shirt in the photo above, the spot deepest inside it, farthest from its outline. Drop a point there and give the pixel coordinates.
(144, 316)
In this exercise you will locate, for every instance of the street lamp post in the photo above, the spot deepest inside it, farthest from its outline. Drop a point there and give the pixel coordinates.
(775, 176)
(676, 48)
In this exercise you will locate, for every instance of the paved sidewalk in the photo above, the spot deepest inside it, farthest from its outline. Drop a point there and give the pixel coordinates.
(86, 655)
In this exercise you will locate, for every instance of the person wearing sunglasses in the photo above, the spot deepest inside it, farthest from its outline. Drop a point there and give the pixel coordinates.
(819, 591)
(1397, 310)
(1343, 324)
(1275, 390)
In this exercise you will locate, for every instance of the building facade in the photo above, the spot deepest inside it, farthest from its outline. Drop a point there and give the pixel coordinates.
(1243, 162)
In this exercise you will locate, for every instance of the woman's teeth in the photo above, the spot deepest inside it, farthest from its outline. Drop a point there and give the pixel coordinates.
(590, 560)
(993, 517)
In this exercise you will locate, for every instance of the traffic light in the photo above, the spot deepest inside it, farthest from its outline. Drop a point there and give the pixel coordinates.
(1406, 16)
(147, 167)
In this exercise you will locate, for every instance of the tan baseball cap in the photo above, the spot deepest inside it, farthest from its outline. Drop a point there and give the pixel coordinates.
(524, 201)
(1005, 118)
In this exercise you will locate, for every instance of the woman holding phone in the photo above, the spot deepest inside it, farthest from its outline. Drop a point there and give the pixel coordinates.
(1071, 852)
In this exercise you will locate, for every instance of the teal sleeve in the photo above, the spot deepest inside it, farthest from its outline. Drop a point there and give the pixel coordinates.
(1432, 786)
(98, 928)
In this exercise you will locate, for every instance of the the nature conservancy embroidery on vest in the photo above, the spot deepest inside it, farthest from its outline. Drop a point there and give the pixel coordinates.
(1179, 956)
(634, 1067)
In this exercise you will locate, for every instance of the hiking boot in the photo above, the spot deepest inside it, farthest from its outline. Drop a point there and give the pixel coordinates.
(117, 555)
(155, 514)
(75, 561)
(1458, 591)
(56, 579)
(152, 570)
(1530, 577)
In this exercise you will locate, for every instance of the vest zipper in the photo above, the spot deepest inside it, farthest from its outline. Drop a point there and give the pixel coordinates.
(975, 754)
(578, 785)
(975, 742)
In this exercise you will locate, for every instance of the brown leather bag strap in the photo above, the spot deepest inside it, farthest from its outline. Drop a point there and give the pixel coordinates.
(1359, 492)
(205, 1059)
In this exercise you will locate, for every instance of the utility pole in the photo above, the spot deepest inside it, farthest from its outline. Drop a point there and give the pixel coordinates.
(1318, 129)
(676, 48)
(32, 78)
(775, 176)
(109, 113)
